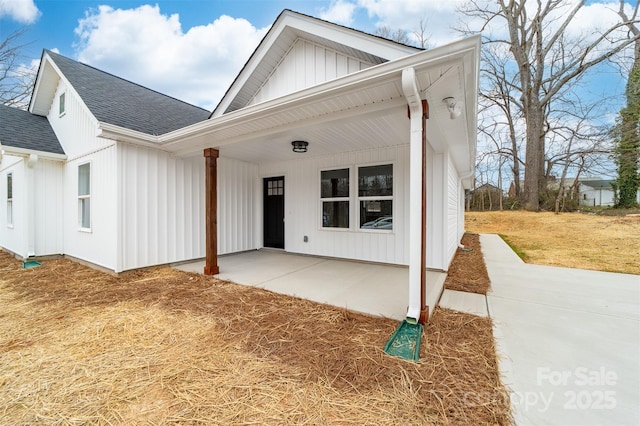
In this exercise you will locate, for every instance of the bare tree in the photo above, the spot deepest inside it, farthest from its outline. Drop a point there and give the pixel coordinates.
(421, 35)
(545, 61)
(500, 110)
(16, 80)
(398, 35)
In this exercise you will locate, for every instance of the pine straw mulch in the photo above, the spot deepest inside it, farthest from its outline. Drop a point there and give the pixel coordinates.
(468, 271)
(160, 346)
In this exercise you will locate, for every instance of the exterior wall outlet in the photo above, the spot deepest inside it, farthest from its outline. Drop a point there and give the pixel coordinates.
(305, 239)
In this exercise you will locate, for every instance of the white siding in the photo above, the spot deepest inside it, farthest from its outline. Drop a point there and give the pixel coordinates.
(48, 202)
(13, 238)
(37, 207)
(436, 210)
(303, 207)
(452, 207)
(306, 64)
(99, 245)
(237, 205)
(161, 207)
(77, 128)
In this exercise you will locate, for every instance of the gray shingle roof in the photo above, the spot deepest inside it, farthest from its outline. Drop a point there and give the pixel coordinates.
(21, 129)
(120, 102)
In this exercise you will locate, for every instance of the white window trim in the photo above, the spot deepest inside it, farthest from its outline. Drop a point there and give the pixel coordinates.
(10, 202)
(63, 97)
(85, 197)
(376, 198)
(348, 199)
(354, 198)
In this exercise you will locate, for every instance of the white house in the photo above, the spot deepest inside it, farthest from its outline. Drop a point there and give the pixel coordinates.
(316, 148)
(599, 192)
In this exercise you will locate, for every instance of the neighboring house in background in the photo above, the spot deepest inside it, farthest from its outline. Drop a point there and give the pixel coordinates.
(485, 197)
(136, 191)
(599, 192)
(596, 192)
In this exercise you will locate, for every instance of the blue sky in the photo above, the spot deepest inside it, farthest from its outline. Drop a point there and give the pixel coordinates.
(192, 49)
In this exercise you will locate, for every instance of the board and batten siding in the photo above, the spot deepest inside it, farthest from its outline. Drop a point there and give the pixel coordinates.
(48, 202)
(98, 245)
(453, 207)
(77, 128)
(13, 237)
(237, 205)
(162, 201)
(37, 228)
(161, 213)
(304, 65)
(436, 202)
(303, 207)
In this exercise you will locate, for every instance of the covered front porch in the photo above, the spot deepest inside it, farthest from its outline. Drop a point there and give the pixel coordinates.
(371, 288)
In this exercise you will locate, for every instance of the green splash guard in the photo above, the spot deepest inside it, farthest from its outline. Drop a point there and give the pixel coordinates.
(30, 264)
(405, 341)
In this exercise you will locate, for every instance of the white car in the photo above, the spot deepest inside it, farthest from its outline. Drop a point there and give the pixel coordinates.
(384, 222)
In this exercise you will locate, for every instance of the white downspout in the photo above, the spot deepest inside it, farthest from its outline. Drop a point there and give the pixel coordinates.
(411, 93)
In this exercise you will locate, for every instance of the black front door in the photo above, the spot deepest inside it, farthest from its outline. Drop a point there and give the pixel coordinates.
(273, 190)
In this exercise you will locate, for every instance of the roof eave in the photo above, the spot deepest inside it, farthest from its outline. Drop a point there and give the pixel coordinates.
(24, 152)
(122, 134)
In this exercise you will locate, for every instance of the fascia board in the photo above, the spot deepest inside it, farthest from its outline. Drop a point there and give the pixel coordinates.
(35, 96)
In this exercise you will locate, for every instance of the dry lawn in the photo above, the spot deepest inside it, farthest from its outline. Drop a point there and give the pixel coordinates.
(574, 240)
(161, 346)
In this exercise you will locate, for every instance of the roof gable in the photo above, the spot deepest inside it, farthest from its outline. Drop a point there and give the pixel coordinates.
(114, 100)
(23, 130)
(286, 32)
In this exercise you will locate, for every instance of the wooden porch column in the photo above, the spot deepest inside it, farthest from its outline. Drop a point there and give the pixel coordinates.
(211, 206)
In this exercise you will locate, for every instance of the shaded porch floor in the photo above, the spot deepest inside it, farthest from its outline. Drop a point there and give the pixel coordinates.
(371, 288)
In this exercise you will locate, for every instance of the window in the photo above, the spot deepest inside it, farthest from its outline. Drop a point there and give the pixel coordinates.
(84, 196)
(375, 196)
(61, 106)
(10, 199)
(334, 193)
(275, 187)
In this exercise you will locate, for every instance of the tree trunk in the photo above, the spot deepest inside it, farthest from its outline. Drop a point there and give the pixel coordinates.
(534, 172)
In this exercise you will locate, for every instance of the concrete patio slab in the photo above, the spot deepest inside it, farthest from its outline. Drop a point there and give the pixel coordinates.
(568, 340)
(471, 303)
(374, 289)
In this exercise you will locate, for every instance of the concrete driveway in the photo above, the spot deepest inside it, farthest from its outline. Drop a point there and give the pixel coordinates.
(568, 340)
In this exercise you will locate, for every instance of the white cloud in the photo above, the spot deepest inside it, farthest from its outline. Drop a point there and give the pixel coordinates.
(339, 12)
(149, 48)
(24, 11)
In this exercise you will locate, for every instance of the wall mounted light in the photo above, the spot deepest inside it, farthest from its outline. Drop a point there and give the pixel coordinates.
(454, 109)
(300, 146)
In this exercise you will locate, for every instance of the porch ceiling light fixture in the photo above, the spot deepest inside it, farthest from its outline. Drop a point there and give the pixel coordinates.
(300, 146)
(454, 109)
